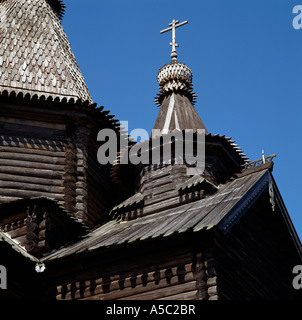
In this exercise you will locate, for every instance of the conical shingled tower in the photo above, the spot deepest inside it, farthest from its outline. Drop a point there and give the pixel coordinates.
(176, 99)
(35, 55)
(48, 123)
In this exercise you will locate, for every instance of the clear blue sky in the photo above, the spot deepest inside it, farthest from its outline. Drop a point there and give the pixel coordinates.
(246, 59)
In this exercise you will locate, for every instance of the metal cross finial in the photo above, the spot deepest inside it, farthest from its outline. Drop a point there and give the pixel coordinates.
(263, 157)
(173, 25)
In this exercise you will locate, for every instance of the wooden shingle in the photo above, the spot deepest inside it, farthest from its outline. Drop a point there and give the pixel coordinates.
(37, 58)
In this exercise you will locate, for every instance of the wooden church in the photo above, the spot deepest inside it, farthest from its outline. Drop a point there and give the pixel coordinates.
(72, 228)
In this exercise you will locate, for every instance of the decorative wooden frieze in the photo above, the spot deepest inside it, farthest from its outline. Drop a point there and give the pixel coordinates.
(174, 280)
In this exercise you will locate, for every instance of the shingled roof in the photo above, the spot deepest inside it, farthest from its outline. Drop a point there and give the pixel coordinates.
(221, 210)
(35, 54)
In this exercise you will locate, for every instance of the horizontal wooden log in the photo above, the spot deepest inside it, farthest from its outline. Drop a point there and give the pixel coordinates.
(32, 227)
(33, 123)
(21, 239)
(32, 180)
(4, 199)
(44, 245)
(18, 232)
(41, 173)
(30, 186)
(212, 281)
(212, 291)
(31, 236)
(31, 246)
(30, 151)
(44, 234)
(45, 224)
(27, 194)
(31, 164)
(190, 295)
(53, 159)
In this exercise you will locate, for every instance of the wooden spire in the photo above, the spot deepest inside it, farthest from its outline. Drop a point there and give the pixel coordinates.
(35, 54)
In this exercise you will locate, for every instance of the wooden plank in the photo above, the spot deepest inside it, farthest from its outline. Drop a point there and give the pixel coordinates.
(26, 131)
(190, 295)
(21, 239)
(33, 157)
(157, 191)
(31, 151)
(33, 123)
(28, 194)
(31, 164)
(18, 232)
(32, 172)
(212, 291)
(29, 186)
(34, 180)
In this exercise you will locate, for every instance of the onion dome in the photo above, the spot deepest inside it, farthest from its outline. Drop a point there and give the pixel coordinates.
(175, 77)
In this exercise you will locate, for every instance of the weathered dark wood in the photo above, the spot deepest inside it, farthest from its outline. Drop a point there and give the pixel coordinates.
(190, 295)
(18, 232)
(31, 246)
(32, 180)
(29, 186)
(163, 292)
(45, 223)
(171, 240)
(137, 285)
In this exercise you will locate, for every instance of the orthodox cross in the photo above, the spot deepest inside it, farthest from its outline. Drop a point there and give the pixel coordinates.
(173, 25)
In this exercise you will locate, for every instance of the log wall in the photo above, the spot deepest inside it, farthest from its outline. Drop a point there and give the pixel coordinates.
(140, 273)
(54, 157)
(32, 160)
(255, 259)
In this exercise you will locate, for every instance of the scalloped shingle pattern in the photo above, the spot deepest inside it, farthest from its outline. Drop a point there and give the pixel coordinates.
(35, 54)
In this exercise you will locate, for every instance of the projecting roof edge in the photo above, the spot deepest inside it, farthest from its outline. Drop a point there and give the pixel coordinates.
(244, 204)
(265, 182)
(4, 237)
